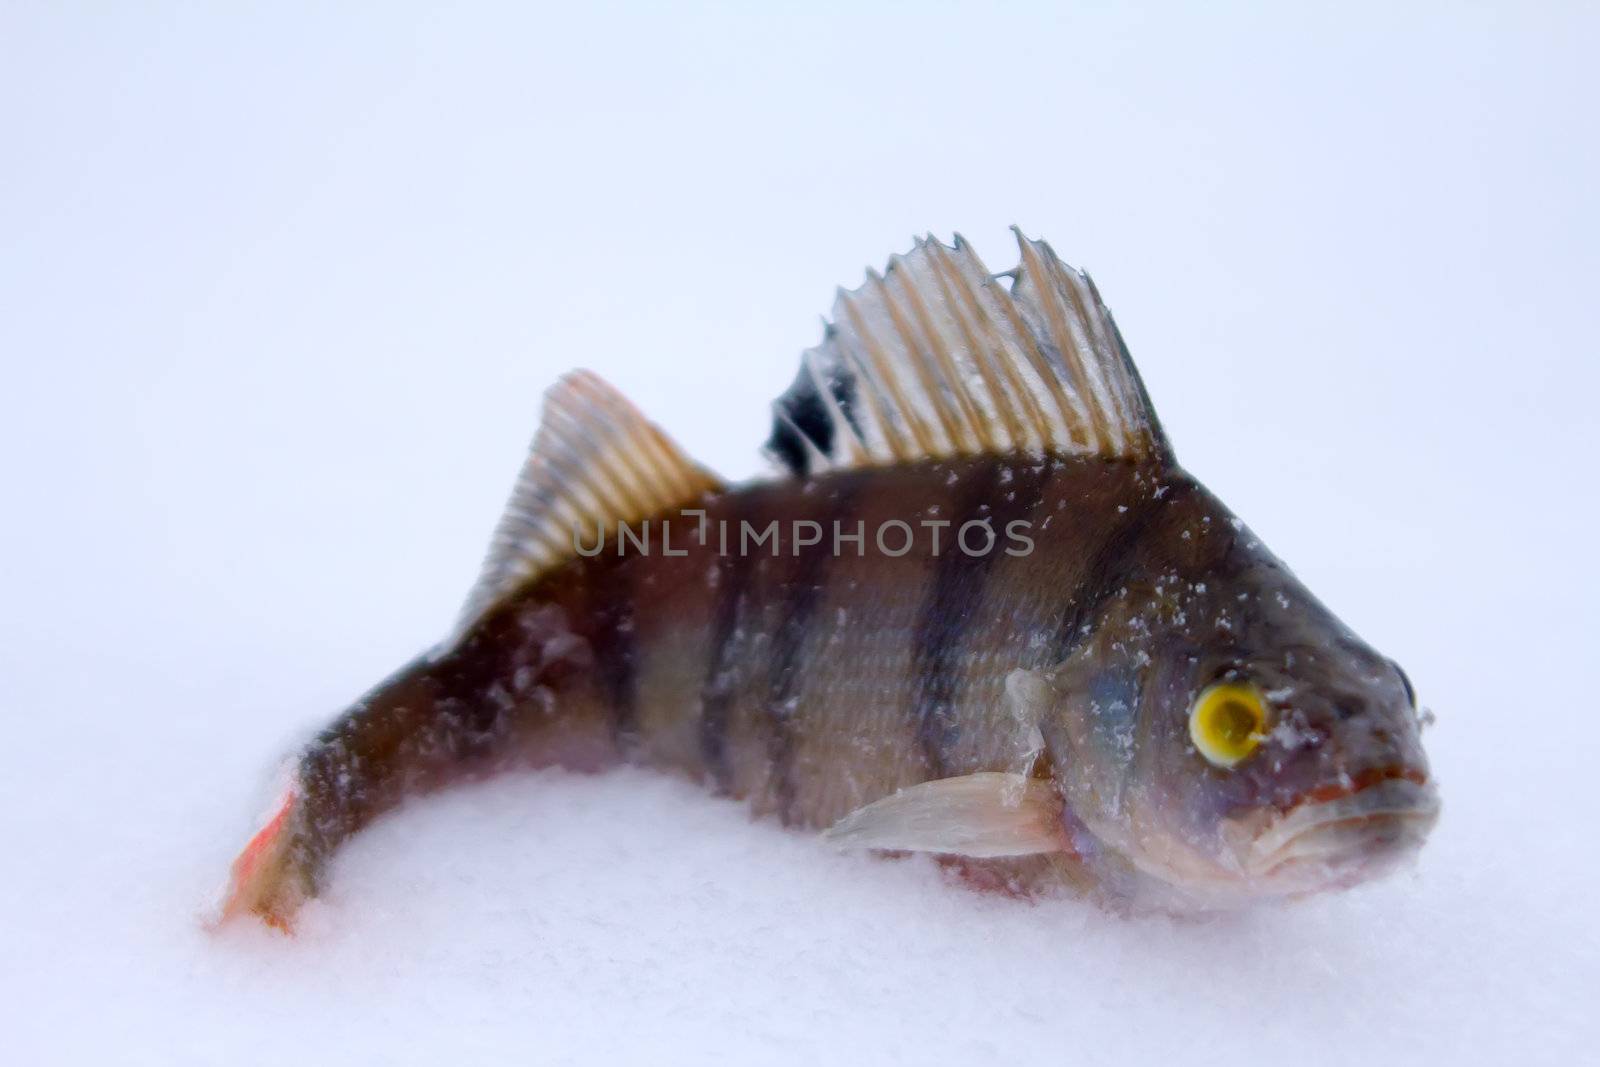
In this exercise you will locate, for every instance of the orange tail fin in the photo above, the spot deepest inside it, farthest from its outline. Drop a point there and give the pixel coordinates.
(265, 880)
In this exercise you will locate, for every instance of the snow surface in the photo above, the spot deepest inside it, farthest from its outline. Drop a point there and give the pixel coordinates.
(278, 294)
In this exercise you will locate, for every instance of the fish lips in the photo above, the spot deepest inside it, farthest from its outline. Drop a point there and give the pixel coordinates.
(1339, 842)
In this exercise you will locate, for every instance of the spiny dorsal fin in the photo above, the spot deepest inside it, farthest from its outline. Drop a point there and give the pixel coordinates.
(595, 461)
(935, 358)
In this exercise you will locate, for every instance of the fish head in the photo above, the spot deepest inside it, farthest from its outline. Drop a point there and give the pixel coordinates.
(1230, 739)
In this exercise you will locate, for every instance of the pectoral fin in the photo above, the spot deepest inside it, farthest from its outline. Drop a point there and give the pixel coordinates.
(980, 815)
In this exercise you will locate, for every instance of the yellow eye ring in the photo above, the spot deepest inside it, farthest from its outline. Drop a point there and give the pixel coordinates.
(1228, 722)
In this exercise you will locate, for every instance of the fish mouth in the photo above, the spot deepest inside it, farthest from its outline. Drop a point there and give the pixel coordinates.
(1347, 839)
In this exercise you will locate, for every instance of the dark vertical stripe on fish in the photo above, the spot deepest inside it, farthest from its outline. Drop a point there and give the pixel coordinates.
(956, 594)
(722, 671)
(1109, 566)
(616, 653)
(803, 593)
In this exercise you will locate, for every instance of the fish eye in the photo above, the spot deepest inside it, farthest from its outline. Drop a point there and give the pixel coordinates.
(1226, 722)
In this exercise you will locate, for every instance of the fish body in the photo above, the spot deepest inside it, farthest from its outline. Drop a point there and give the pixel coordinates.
(984, 614)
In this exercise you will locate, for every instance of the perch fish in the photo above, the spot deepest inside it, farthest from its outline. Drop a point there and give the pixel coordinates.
(979, 612)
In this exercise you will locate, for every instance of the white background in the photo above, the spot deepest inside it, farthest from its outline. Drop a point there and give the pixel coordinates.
(279, 292)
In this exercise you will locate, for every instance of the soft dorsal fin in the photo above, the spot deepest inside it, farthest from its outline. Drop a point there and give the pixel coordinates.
(595, 461)
(936, 358)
